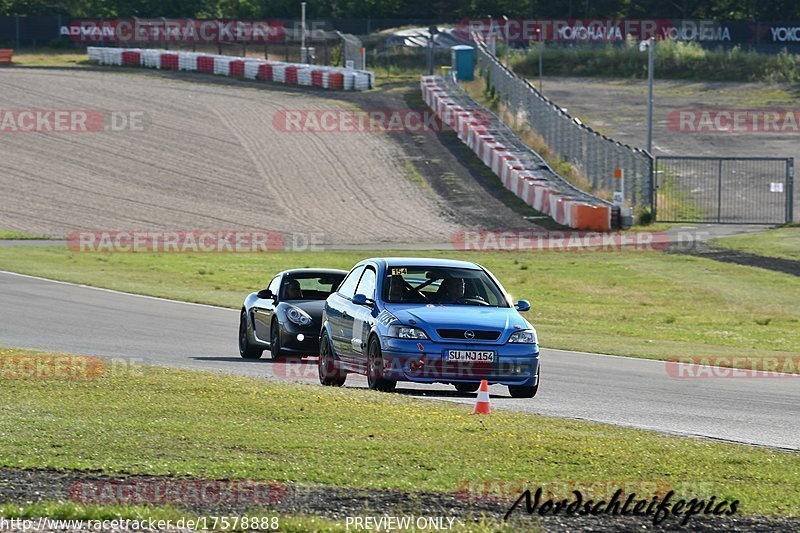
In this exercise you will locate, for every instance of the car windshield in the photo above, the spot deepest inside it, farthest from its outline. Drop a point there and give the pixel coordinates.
(441, 285)
(309, 285)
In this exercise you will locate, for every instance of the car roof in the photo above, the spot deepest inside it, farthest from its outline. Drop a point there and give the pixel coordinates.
(424, 262)
(321, 271)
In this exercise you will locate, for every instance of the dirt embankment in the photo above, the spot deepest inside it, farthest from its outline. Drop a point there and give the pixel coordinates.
(209, 156)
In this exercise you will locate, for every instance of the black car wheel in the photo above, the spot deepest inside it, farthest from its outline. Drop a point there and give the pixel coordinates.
(275, 340)
(526, 392)
(329, 374)
(247, 350)
(375, 368)
(467, 387)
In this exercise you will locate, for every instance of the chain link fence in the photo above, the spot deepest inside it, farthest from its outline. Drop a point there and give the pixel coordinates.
(352, 50)
(596, 156)
(724, 190)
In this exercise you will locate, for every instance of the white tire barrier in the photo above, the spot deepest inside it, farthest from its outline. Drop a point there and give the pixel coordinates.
(544, 192)
(325, 77)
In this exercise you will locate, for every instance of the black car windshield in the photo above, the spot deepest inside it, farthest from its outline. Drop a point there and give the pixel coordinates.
(309, 285)
(441, 285)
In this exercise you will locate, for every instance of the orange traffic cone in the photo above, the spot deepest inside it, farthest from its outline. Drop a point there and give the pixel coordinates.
(482, 403)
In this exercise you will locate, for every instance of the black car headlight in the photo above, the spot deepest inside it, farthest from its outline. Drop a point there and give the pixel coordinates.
(298, 316)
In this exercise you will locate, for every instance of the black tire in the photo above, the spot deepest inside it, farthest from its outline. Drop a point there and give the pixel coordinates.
(247, 350)
(526, 392)
(467, 387)
(275, 340)
(329, 374)
(375, 379)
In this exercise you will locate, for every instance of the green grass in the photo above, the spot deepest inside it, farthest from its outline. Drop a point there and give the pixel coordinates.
(673, 60)
(783, 243)
(10, 234)
(225, 427)
(50, 58)
(644, 304)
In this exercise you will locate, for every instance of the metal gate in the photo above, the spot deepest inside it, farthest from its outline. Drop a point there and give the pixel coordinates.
(723, 190)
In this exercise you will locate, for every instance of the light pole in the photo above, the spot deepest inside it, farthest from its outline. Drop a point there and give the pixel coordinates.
(303, 51)
(650, 45)
(505, 37)
(540, 45)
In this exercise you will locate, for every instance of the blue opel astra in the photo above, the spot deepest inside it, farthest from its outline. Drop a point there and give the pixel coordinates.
(427, 321)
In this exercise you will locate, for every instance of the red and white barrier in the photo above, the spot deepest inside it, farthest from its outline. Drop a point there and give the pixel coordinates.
(534, 187)
(324, 77)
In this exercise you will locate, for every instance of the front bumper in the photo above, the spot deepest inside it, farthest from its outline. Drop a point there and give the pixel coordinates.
(290, 344)
(514, 364)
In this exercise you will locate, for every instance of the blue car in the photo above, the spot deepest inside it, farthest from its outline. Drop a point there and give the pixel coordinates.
(427, 321)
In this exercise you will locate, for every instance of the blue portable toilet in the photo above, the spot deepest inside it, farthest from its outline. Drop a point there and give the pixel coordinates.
(462, 61)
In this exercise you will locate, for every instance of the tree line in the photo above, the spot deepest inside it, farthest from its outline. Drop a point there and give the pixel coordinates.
(445, 10)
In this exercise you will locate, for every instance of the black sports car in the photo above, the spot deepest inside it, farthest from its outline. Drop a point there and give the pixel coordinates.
(286, 317)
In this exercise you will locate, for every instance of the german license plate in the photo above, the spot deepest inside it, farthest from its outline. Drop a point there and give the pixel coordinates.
(470, 356)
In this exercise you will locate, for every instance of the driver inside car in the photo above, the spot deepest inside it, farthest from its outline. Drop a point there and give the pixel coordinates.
(291, 290)
(451, 290)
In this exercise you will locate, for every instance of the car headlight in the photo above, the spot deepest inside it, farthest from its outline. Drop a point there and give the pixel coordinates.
(406, 332)
(298, 316)
(526, 336)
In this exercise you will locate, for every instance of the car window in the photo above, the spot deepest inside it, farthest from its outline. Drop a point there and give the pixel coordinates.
(367, 284)
(441, 285)
(348, 287)
(309, 285)
(274, 285)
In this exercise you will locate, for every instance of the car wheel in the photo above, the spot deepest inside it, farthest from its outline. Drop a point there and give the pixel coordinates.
(329, 374)
(526, 392)
(375, 379)
(247, 350)
(467, 387)
(275, 340)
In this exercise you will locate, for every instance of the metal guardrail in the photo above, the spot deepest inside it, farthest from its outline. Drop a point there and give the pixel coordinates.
(500, 131)
(594, 154)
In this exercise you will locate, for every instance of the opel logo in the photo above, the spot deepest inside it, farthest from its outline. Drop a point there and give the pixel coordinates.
(469, 334)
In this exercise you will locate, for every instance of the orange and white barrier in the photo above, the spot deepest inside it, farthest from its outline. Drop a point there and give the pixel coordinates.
(325, 77)
(544, 191)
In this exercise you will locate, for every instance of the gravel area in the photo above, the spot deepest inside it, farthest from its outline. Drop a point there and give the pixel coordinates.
(210, 157)
(30, 486)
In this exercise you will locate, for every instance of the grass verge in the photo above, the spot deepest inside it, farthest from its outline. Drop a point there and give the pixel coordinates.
(226, 427)
(673, 60)
(50, 58)
(643, 304)
(18, 235)
(782, 242)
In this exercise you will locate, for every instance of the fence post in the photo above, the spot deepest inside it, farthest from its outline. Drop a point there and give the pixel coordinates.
(653, 185)
(719, 191)
(790, 190)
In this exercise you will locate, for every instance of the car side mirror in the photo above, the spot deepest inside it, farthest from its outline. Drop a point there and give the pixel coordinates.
(360, 299)
(523, 305)
(265, 294)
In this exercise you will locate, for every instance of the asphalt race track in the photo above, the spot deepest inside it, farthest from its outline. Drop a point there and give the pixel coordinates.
(60, 317)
